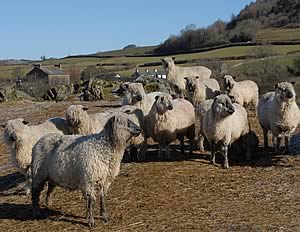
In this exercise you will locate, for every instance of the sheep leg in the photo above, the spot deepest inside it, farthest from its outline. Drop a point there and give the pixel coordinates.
(28, 181)
(181, 139)
(141, 156)
(35, 197)
(213, 154)
(201, 142)
(286, 144)
(90, 216)
(225, 154)
(103, 212)
(51, 186)
(278, 144)
(160, 151)
(265, 132)
(168, 153)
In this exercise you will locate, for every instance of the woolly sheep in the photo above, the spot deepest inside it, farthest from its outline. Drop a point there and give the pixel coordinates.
(134, 94)
(279, 113)
(80, 122)
(175, 74)
(20, 138)
(224, 123)
(244, 92)
(201, 110)
(85, 163)
(169, 120)
(201, 90)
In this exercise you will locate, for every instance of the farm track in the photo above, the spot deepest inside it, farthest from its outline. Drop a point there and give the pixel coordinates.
(187, 194)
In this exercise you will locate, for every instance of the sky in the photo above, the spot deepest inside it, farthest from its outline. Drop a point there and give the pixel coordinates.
(30, 29)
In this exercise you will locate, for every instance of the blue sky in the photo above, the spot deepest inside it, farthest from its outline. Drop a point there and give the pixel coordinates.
(57, 28)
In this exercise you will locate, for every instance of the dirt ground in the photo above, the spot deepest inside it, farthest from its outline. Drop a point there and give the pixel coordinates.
(186, 194)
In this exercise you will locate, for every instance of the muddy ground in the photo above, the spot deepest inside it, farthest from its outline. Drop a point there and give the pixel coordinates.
(186, 194)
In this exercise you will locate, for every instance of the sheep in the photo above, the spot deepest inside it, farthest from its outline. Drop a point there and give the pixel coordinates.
(201, 90)
(169, 120)
(224, 123)
(80, 122)
(20, 138)
(86, 163)
(175, 74)
(244, 92)
(201, 110)
(279, 113)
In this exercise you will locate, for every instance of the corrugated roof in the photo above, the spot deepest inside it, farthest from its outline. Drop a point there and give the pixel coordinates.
(52, 70)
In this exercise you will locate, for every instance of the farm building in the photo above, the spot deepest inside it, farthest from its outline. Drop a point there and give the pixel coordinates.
(50, 75)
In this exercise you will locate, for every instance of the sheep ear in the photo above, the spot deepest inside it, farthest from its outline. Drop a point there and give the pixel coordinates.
(125, 86)
(293, 82)
(3, 125)
(215, 99)
(217, 92)
(127, 112)
(156, 98)
(186, 78)
(232, 98)
(197, 77)
(85, 108)
(173, 58)
(276, 86)
(234, 77)
(25, 122)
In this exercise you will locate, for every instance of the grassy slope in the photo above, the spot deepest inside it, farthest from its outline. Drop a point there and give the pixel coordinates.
(279, 34)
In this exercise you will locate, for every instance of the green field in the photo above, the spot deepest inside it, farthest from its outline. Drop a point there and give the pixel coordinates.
(279, 35)
(76, 65)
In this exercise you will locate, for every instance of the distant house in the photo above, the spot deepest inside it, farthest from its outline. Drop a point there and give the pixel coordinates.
(50, 75)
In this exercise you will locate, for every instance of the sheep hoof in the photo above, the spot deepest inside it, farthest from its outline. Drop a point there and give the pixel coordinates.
(225, 166)
(91, 222)
(37, 213)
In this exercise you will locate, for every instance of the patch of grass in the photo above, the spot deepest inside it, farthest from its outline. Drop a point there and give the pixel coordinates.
(275, 34)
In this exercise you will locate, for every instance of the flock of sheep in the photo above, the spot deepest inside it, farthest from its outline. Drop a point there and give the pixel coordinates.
(84, 151)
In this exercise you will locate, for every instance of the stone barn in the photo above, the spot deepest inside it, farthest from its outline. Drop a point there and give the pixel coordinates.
(42, 78)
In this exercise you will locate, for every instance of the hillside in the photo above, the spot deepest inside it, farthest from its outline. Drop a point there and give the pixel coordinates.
(257, 16)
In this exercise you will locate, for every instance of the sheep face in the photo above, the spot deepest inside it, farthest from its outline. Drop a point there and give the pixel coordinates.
(121, 90)
(75, 114)
(167, 62)
(13, 129)
(190, 83)
(163, 103)
(223, 106)
(285, 91)
(135, 93)
(228, 82)
(122, 128)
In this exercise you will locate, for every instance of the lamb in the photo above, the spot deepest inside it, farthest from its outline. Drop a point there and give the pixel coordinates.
(86, 163)
(244, 92)
(169, 120)
(224, 123)
(279, 113)
(201, 90)
(20, 138)
(175, 74)
(80, 122)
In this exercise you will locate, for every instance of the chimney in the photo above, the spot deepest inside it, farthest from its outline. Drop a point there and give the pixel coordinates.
(58, 66)
(37, 65)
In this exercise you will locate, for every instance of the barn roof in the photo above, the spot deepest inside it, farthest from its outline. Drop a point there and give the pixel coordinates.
(52, 70)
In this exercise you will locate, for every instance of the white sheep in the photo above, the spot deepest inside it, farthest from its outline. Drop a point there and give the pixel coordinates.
(169, 120)
(244, 92)
(80, 122)
(176, 75)
(201, 110)
(278, 112)
(85, 163)
(20, 138)
(224, 123)
(198, 90)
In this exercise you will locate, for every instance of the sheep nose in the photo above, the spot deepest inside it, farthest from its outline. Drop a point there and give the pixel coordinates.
(289, 95)
(170, 107)
(231, 110)
(138, 97)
